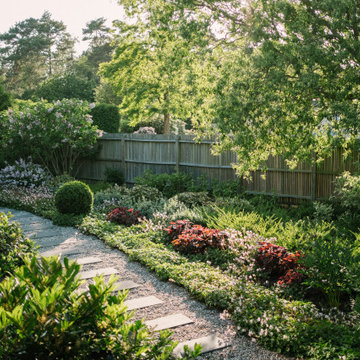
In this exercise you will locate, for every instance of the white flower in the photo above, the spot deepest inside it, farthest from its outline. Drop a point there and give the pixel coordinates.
(91, 106)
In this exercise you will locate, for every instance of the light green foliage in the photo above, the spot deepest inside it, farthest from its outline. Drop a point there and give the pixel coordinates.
(55, 134)
(192, 199)
(287, 80)
(152, 69)
(106, 117)
(43, 313)
(74, 197)
(13, 246)
(347, 191)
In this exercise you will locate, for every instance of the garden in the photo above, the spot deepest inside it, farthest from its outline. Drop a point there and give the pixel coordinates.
(287, 276)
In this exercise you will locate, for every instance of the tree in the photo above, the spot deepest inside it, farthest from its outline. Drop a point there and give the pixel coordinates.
(66, 86)
(289, 83)
(5, 99)
(151, 69)
(32, 50)
(97, 32)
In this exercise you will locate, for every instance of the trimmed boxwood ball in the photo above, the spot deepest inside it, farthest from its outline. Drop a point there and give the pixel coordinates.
(74, 197)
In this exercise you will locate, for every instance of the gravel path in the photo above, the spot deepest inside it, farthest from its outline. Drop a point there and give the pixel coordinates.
(175, 300)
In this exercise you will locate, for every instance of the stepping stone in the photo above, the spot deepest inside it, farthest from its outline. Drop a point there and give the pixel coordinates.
(168, 322)
(92, 273)
(87, 260)
(44, 234)
(126, 284)
(56, 252)
(37, 226)
(208, 343)
(142, 302)
(55, 241)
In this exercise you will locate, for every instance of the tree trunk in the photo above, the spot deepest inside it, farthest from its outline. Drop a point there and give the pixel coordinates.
(166, 123)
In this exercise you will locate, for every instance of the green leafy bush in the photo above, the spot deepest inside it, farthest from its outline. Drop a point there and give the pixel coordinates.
(44, 313)
(74, 197)
(13, 246)
(169, 185)
(114, 176)
(191, 199)
(5, 99)
(143, 192)
(106, 117)
(58, 180)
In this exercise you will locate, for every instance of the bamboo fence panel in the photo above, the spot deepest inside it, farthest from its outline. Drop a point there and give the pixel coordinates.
(135, 153)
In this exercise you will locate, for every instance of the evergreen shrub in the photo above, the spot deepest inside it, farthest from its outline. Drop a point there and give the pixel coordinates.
(106, 117)
(74, 197)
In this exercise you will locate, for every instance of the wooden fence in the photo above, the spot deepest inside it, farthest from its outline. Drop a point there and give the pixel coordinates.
(135, 153)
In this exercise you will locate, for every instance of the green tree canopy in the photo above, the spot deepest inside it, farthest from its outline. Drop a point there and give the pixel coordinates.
(152, 68)
(32, 50)
(289, 77)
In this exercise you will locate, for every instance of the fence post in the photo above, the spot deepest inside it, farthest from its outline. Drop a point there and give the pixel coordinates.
(123, 157)
(177, 154)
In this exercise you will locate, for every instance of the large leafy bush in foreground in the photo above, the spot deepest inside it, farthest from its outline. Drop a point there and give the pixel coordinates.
(13, 246)
(42, 313)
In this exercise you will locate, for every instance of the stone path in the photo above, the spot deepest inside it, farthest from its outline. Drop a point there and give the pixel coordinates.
(163, 305)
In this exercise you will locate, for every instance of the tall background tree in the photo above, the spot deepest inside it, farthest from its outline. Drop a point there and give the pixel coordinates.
(152, 68)
(32, 50)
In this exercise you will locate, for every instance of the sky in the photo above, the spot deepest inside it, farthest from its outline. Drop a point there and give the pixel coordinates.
(73, 13)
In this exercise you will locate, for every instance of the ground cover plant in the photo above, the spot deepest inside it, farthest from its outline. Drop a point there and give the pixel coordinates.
(288, 278)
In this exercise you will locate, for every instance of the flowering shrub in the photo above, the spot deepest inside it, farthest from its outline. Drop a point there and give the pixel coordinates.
(278, 263)
(56, 134)
(146, 130)
(38, 200)
(125, 216)
(24, 173)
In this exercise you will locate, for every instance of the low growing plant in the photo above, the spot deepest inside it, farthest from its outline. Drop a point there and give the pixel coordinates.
(125, 216)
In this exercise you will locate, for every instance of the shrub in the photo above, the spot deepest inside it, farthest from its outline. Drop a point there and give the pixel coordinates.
(13, 246)
(114, 176)
(278, 263)
(143, 192)
(56, 134)
(146, 130)
(169, 185)
(43, 315)
(24, 173)
(74, 197)
(191, 199)
(323, 211)
(55, 182)
(347, 191)
(106, 117)
(229, 188)
(176, 228)
(198, 238)
(125, 216)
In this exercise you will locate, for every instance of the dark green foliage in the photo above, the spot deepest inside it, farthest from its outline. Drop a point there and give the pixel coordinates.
(106, 117)
(169, 185)
(43, 313)
(114, 176)
(74, 197)
(66, 86)
(5, 99)
(13, 246)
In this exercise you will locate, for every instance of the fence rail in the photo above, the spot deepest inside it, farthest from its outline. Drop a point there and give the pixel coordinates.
(135, 153)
